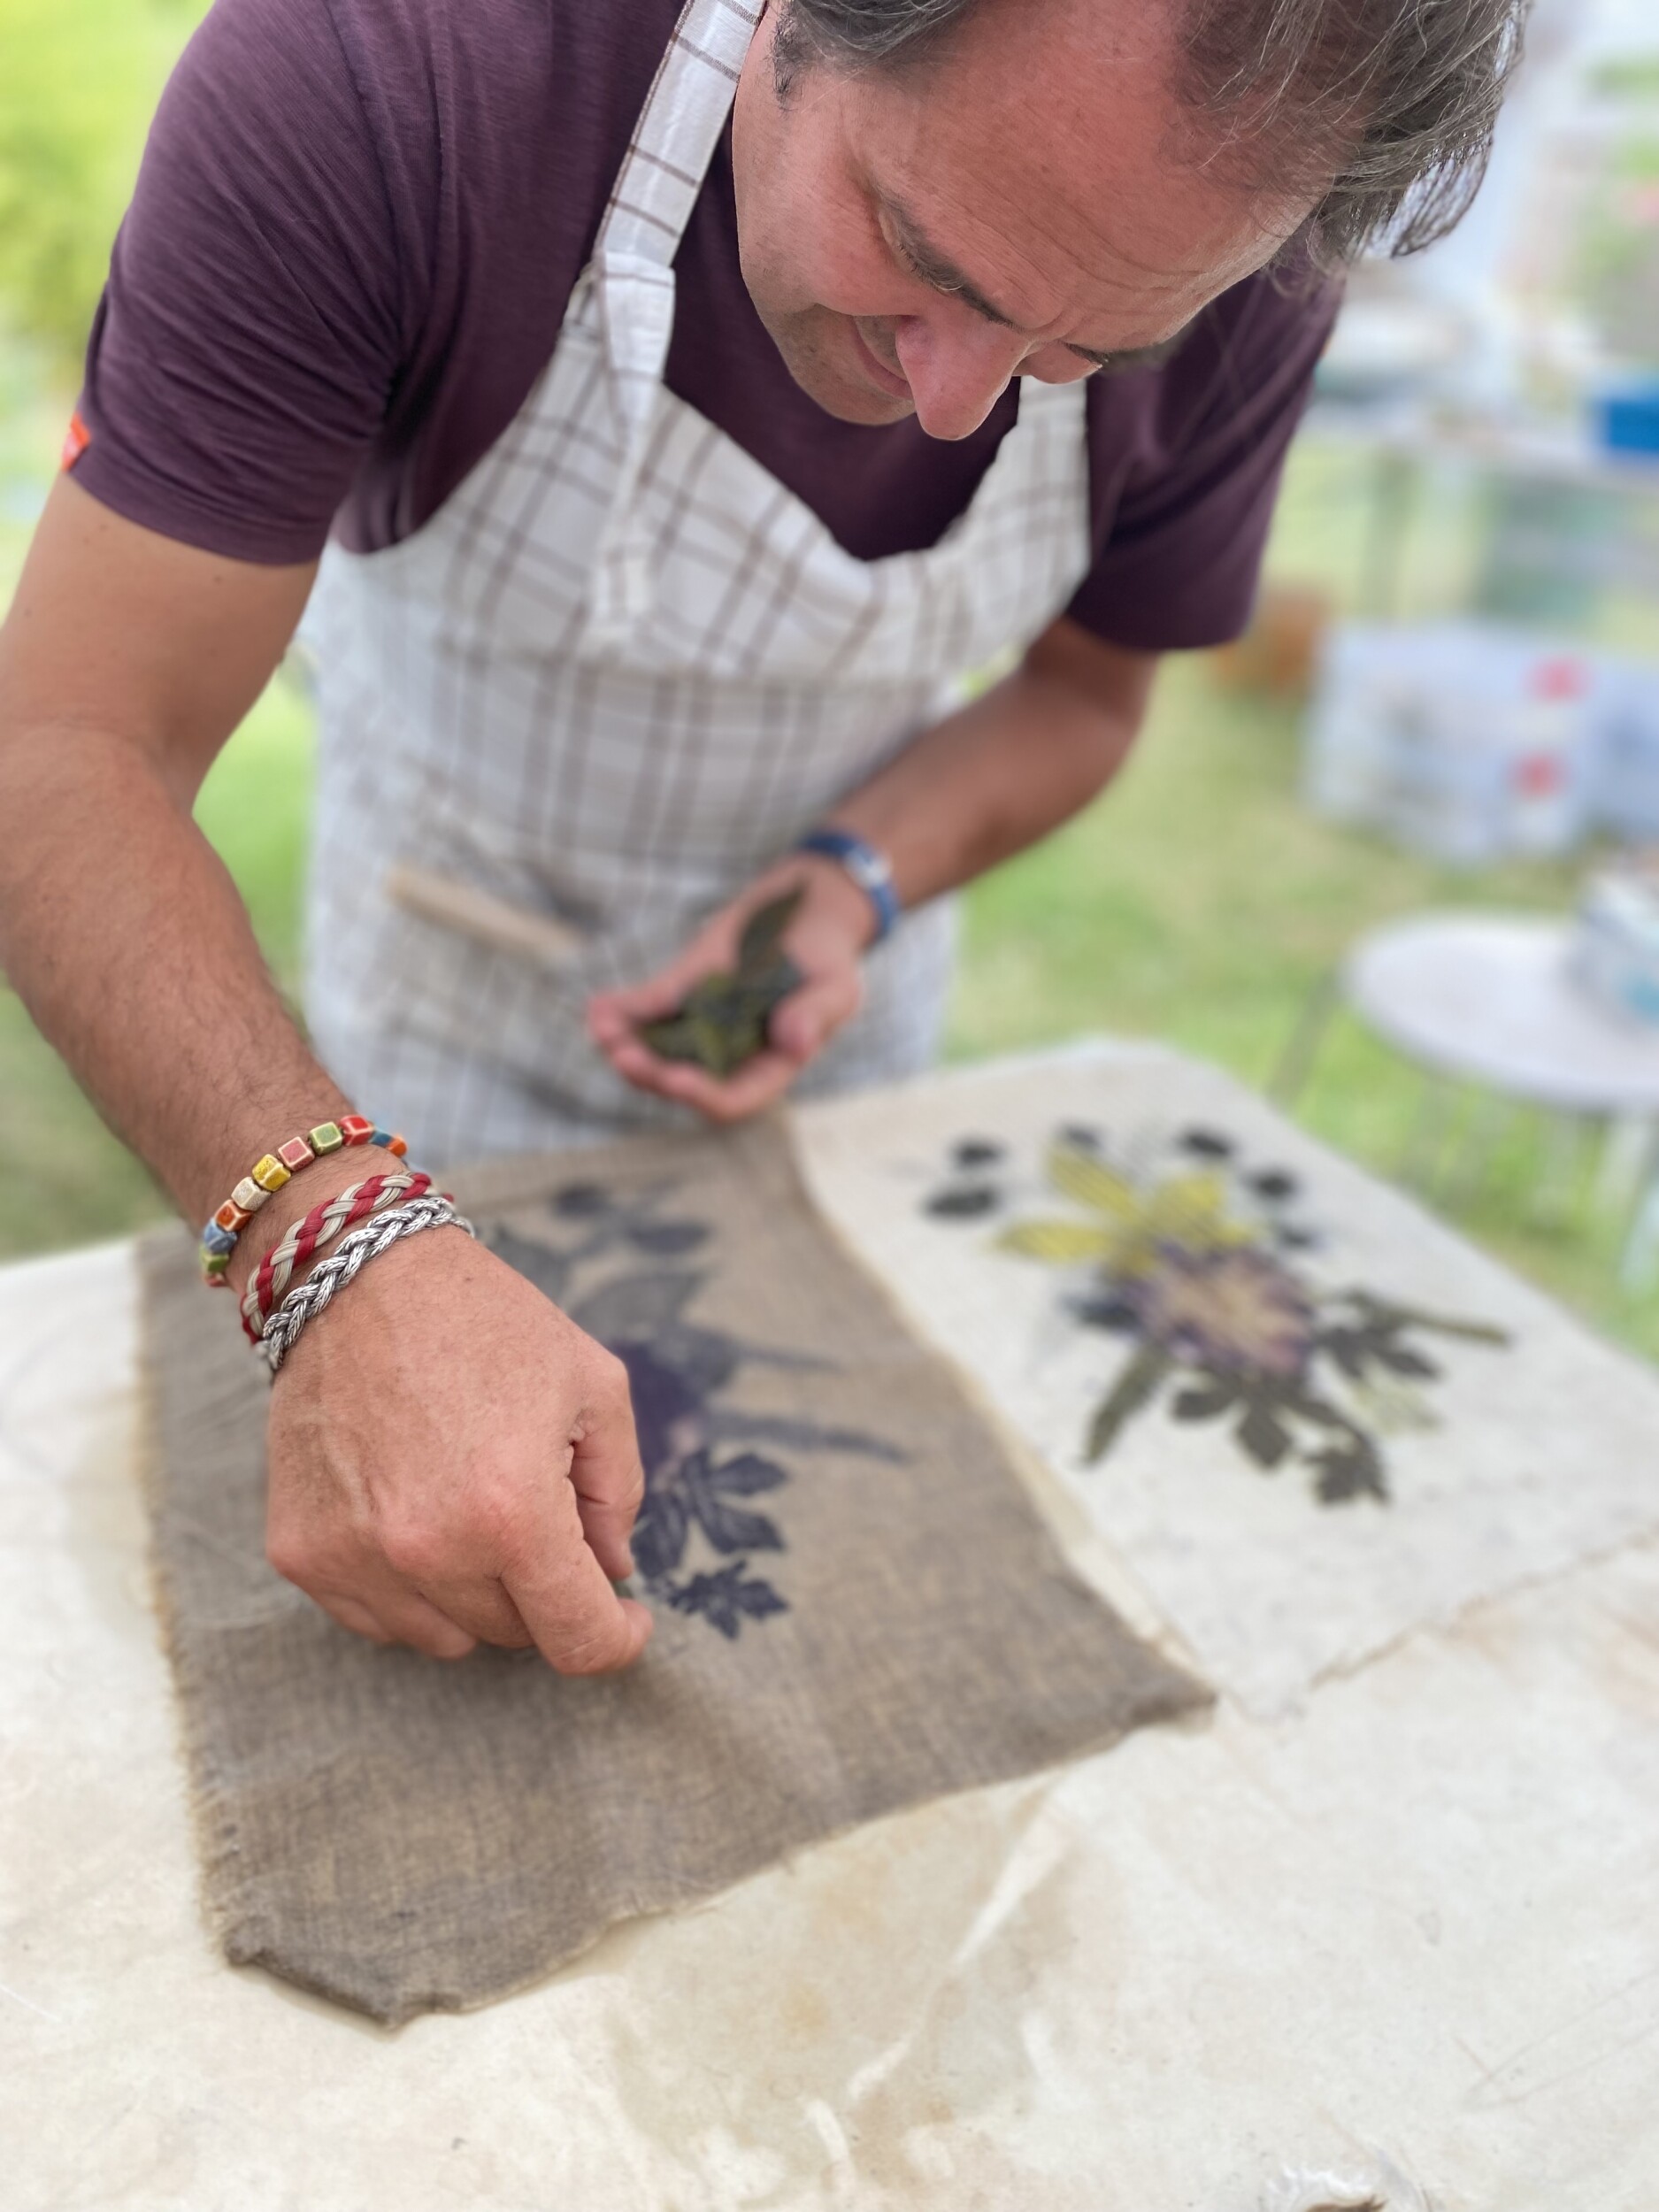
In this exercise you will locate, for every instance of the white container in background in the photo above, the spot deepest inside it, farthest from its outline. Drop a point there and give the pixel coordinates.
(1616, 941)
(1463, 740)
(1627, 751)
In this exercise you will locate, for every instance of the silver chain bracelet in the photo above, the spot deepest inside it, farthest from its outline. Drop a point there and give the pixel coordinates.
(349, 1256)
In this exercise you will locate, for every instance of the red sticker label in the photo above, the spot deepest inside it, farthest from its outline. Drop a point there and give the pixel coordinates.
(76, 439)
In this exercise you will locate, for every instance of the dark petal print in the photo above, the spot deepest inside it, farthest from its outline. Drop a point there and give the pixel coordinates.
(1135, 1388)
(669, 1415)
(581, 1201)
(966, 1203)
(1261, 1436)
(1275, 1184)
(1290, 1240)
(666, 1239)
(977, 1152)
(728, 1598)
(1120, 1316)
(1206, 1144)
(1208, 1400)
(1348, 1470)
(1080, 1137)
(1237, 1311)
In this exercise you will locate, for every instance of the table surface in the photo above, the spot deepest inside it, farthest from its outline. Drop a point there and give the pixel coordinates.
(1419, 1920)
(1492, 999)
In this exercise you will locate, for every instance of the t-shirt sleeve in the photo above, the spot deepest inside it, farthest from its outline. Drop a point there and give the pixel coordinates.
(260, 295)
(1184, 491)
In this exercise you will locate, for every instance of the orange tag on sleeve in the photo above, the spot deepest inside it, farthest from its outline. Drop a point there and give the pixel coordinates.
(76, 439)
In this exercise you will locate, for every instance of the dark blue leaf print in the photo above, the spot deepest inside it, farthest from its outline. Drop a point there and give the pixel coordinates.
(1119, 1315)
(969, 1152)
(707, 1489)
(728, 1598)
(538, 1264)
(639, 1307)
(666, 1239)
(968, 1202)
(747, 1475)
(1276, 1185)
(1207, 1144)
(660, 1533)
(729, 1425)
(579, 1202)
(676, 1369)
(704, 1360)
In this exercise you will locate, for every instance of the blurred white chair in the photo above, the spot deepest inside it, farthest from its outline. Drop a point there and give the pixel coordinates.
(1491, 1001)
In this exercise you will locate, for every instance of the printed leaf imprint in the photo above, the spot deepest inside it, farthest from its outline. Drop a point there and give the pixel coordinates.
(709, 1495)
(1193, 1262)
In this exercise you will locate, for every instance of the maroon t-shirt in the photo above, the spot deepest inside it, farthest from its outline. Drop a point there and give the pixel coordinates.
(353, 240)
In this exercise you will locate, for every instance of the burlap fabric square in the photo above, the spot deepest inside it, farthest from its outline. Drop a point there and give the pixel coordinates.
(857, 1607)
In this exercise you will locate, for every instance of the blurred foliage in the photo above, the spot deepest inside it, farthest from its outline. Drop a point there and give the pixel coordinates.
(79, 82)
(1621, 253)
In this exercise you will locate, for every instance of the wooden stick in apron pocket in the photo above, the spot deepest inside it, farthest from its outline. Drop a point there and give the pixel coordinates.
(488, 920)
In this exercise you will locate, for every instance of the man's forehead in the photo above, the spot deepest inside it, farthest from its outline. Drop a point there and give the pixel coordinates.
(1051, 167)
(1115, 276)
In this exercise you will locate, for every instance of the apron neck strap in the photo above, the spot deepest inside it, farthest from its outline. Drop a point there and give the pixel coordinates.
(678, 128)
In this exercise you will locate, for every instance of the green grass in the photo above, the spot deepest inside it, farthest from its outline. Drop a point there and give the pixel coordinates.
(1198, 901)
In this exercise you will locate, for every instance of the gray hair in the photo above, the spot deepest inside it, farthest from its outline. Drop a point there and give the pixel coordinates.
(1385, 107)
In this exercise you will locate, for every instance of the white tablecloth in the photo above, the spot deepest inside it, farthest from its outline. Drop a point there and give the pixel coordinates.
(1412, 1932)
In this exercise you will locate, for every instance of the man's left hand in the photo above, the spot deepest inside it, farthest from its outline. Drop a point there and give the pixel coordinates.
(827, 940)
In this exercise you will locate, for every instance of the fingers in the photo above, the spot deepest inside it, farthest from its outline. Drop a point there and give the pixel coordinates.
(399, 1616)
(606, 1473)
(809, 1018)
(579, 1623)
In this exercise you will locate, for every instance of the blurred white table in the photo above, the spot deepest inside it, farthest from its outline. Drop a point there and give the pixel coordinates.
(1491, 999)
(1412, 1928)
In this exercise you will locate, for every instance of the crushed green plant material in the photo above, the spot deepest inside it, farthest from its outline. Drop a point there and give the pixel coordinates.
(722, 1022)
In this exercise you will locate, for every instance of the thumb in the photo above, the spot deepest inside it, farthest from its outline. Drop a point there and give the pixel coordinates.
(809, 1018)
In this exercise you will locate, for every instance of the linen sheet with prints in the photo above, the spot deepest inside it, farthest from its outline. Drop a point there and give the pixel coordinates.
(857, 1607)
(1397, 1943)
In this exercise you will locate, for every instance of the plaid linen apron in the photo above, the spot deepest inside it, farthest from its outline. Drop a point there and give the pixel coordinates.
(620, 672)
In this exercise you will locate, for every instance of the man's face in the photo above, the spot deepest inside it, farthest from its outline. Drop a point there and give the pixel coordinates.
(1027, 202)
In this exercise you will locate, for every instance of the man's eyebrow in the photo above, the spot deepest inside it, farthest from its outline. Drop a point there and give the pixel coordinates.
(935, 269)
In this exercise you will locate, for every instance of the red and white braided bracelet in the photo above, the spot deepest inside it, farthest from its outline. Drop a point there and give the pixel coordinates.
(320, 1227)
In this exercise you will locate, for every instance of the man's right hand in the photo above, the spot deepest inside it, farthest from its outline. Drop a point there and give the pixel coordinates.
(453, 1462)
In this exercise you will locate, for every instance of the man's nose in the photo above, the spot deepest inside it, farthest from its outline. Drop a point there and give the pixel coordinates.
(957, 366)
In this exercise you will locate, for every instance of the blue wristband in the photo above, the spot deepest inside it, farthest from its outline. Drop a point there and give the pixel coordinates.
(870, 870)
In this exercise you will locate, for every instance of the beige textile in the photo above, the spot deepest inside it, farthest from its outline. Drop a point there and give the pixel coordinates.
(1299, 1413)
(857, 1607)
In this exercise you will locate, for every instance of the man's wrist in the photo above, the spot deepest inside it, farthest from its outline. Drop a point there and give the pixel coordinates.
(865, 866)
(332, 1172)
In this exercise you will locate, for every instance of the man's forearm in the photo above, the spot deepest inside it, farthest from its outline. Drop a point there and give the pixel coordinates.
(1003, 771)
(123, 934)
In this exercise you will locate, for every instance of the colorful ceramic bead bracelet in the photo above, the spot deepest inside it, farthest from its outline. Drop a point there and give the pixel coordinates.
(320, 1227)
(267, 1176)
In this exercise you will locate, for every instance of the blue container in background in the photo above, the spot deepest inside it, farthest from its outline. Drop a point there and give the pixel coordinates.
(1627, 418)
